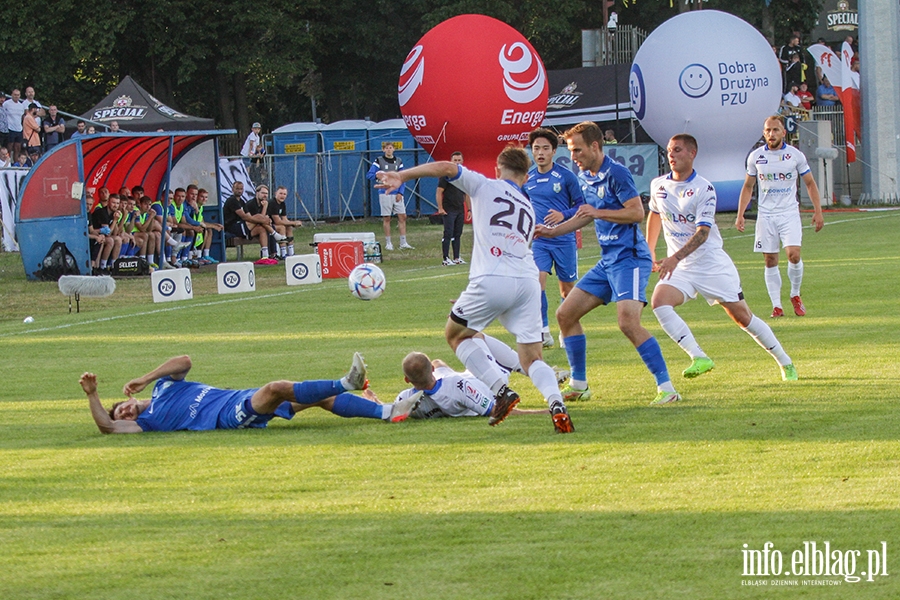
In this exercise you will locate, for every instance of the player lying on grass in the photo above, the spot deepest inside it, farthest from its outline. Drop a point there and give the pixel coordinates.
(448, 393)
(177, 404)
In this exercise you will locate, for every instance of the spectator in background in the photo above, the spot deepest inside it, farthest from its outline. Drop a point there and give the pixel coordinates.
(806, 97)
(826, 94)
(4, 128)
(15, 109)
(91, 130)
(34, 154)
(80, 128)
(788, 51)
(5, 158)
(29, 99)
(100, 230)
(23, 162)
(54, 128)
(253, 149)
(147, 230)
(242, 224)
(204, 239)
(791, 98)
(609, 137)
(31, 130)
(793, 75)
(391, 201)
(114, 127)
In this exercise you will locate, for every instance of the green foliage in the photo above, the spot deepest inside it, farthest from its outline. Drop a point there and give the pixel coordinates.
(638, 503)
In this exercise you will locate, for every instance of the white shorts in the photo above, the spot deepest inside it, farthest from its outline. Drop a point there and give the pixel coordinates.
(392, 204)
(716, 280)
(514, 301)
(770, 229)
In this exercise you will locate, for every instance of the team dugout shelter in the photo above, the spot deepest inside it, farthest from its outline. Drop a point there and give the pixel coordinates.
(52, 203)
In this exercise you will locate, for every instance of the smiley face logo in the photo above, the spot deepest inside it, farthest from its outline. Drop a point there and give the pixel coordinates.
(695, 81)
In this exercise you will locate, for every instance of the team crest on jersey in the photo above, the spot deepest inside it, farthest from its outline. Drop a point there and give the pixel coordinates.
(689, 193)
(496, 251)
(557, 188)
(786, 157)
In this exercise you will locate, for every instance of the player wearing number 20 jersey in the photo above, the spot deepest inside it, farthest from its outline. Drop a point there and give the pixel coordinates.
(503, 224)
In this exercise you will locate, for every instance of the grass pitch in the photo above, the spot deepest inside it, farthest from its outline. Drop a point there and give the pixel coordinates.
(639, 503)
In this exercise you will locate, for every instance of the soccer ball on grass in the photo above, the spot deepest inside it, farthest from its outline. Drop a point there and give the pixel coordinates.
(366, 281)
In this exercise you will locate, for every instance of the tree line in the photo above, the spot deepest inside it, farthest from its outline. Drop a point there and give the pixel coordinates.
(239, 61)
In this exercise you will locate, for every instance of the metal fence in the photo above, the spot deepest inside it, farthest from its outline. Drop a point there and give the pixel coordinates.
(603, 47)
(333, 185)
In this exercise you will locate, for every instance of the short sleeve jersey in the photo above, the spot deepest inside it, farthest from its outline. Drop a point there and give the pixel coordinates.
(777, 173)
(276, 208)
(253, 207)
(610, 188)
(557, 189)
(502, 223)
(454, 395)
(454, 199)
(187, 405)
(229, 210)
(682, 206)
(100, 217)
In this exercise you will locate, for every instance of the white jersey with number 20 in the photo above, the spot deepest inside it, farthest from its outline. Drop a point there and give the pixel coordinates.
(503, 224)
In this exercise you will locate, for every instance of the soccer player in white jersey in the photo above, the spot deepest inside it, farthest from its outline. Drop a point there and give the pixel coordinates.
(503, 279)
(683, 206)
(778, 166)
(447, 393)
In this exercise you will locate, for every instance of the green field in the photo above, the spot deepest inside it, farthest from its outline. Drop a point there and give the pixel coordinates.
(640, 502)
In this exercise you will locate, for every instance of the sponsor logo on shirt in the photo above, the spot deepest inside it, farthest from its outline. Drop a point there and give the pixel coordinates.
(776, 176)
(496, 251)
(679, 218)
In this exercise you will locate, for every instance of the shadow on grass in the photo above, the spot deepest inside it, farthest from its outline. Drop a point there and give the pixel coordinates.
(506, 555)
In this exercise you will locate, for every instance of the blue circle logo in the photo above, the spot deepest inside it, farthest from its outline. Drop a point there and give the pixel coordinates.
(695, 81)
(636, 92)
(166, 287)
(300, 271)
(232, 279)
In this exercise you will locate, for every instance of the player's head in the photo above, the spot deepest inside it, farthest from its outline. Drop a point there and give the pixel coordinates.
(281, 193)
(137, 191)
(513, 163)
(543, 143)
(179, 196)
(456, 158)
(773, 131)
(681, 151)
(388, 149)
(192, 192)
(262, 191)
(237, 188)
(585, 143)
(126, 410)
(418, 371)
(202, 195)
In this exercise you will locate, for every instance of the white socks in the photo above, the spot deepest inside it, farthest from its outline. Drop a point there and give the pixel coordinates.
(677, 329)
(544, 380)
(773, 285)
(795, 275)
(763, 335)
(477, 362)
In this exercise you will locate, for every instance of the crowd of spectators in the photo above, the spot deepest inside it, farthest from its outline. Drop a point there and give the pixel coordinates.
(800, 77)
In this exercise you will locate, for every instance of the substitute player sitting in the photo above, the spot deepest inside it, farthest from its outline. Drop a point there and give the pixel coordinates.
(778, 166)
(683, 205)
(177, 404)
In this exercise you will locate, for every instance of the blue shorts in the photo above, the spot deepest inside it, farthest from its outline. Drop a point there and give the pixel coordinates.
(626, 280)
(240, 414)
(565, 257)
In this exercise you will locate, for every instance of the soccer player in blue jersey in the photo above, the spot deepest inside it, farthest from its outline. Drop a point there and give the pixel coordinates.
(177, 405)
(555, 194)
(621, 276)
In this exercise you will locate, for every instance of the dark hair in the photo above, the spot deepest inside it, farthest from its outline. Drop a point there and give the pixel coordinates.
(589, 132)
(457, 153)
(687, 139)
(180, 189)
(515, 160)
(543, 132)
(191, 187)
(137, 189)
(112, 410)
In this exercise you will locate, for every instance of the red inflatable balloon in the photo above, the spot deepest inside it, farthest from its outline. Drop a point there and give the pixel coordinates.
(472, 84)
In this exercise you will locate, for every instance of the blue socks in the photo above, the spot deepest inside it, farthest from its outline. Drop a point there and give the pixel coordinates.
(544, 307)
(310, 392)
(652, 356)
(349, 405)
(576, 351)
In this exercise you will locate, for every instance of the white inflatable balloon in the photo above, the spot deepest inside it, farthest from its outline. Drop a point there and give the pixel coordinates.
(714, 76)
